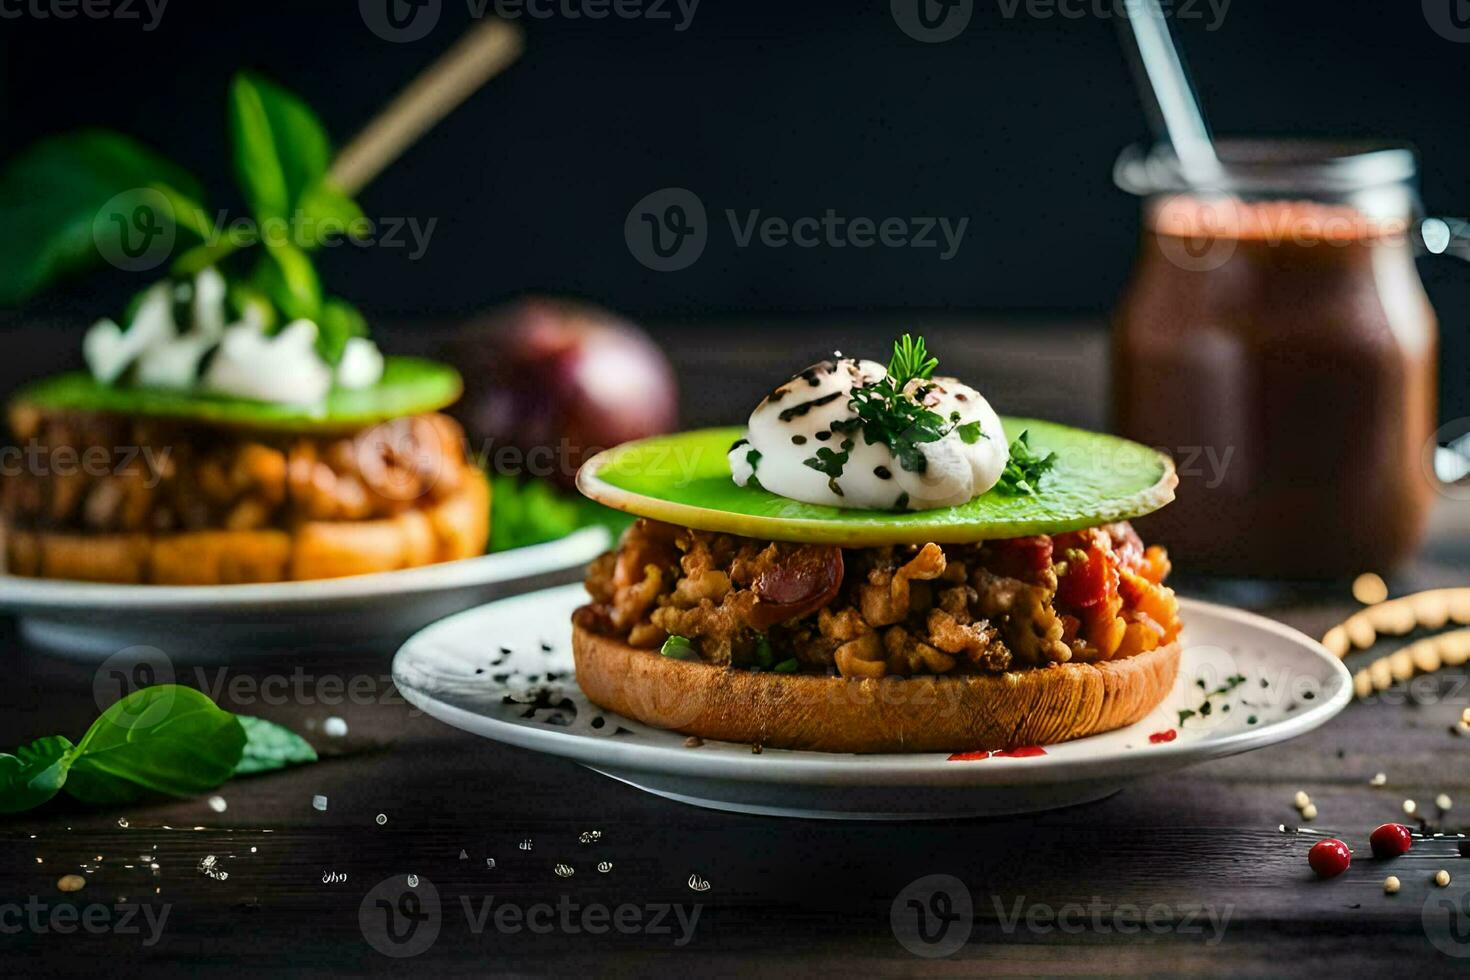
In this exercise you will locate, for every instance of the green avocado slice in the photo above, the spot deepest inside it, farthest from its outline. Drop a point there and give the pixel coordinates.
(409, 386)
(684, 479)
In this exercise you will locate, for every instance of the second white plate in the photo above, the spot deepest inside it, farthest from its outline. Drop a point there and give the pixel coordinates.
(203, 623)
(504, 671)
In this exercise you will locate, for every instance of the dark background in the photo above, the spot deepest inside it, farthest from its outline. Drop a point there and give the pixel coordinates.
(791, 108)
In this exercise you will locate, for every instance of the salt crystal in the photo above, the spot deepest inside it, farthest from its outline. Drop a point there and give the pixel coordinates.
(319, 803)
(122, 822)
(334, 727)
(218, 804)
(382, 818)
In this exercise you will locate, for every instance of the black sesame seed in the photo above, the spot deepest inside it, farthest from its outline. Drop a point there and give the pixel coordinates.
(882, 472)
(798, 440)
(832, 485)
(801, 409)
(823, 436)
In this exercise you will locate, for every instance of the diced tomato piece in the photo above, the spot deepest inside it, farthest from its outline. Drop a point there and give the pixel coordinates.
(1090, 579)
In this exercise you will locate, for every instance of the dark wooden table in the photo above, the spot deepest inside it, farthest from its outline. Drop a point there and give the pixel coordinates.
(1185, 872)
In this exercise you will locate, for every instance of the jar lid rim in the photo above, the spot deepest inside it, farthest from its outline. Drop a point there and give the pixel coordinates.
(1273, 165)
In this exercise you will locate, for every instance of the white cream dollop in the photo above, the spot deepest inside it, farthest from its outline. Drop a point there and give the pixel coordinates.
(788, 428)
(246, 362)
(361, 365)
(281, 368)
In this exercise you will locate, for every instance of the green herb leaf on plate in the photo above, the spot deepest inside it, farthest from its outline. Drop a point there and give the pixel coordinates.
(34, 774)
(529, 512)
(169, 739)
(269, 746)
(679, 648)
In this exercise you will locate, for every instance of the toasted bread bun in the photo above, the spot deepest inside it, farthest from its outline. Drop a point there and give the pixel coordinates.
(455, 527)
(834, 714)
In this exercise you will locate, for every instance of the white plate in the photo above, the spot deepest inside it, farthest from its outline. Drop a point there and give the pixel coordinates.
(213, 622)
(486, 671)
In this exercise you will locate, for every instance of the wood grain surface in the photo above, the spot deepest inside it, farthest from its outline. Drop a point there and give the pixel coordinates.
(1182, 873)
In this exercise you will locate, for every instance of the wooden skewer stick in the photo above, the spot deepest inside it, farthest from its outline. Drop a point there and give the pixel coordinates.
(484, 52)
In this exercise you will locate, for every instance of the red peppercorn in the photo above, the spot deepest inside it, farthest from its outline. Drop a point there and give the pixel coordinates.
(1391, 840)
(1329, 858)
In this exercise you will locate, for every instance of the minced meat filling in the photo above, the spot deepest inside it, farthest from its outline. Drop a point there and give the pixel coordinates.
(1084, 596)
(88, 472)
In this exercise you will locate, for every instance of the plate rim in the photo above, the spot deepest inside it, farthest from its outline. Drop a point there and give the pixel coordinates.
(847, 769)
(23, 595)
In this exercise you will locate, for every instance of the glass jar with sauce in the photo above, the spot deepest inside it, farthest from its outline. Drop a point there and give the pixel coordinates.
(1277, 341)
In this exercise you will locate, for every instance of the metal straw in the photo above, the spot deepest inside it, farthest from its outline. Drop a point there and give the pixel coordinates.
(1165, 86)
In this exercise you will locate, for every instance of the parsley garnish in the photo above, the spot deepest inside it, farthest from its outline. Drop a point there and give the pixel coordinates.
(1024, 470)
(885, 414)
(970, 432)
(678, 647)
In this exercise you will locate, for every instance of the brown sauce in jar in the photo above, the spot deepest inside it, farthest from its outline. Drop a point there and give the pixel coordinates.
(1284, 353)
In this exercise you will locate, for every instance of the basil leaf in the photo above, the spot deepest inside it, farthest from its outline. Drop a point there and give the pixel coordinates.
(168, 738)
(290, 280)
(269, 746)
(338, 323)
(281, 149)
(327, 213)
(34, 774)
(301, 141)
(257, 163)
(52, 193)
(99, 788)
